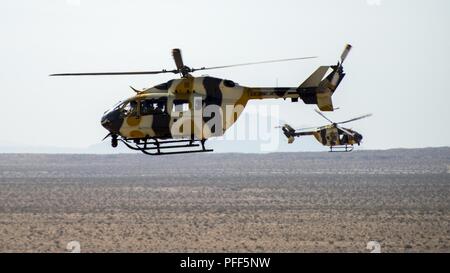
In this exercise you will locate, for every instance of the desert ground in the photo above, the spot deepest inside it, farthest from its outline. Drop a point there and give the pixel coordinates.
(283, 202)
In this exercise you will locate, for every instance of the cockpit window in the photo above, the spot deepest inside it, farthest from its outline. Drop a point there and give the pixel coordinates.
(129, 108)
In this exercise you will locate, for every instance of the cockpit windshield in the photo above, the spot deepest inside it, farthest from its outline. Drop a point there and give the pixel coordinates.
(129, 108)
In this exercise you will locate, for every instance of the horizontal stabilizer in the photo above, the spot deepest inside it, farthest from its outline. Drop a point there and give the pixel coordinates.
(318, 90)
(315, 78)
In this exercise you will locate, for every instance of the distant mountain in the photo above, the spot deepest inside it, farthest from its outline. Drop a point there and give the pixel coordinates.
(279, 144)
(305, 144)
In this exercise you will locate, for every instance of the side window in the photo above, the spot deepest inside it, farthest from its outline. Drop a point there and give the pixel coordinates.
(147, 107)
(161, 104)
(198, 103)
(153, 107)
(180, 106)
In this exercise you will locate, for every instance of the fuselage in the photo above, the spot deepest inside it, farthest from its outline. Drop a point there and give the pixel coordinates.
(192, 107)
(332, 136)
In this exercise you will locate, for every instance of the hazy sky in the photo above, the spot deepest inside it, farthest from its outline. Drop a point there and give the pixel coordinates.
(398, 68)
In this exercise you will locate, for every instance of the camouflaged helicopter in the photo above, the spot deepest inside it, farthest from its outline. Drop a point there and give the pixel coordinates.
(338, 138)
(174, 117)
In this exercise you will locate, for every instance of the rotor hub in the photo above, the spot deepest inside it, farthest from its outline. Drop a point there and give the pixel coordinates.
(185, 70)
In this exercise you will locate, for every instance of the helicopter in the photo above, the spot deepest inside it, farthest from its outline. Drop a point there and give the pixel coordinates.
(338, 138)
(178, 116)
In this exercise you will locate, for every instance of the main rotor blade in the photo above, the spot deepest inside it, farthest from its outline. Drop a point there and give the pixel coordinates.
(300, 129)
(353, 119)
(318, 112)
(307, 129)
(252, 63)
(176, 53)
(116, 73)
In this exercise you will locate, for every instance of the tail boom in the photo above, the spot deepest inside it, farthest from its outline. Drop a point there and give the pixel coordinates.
(316, 89)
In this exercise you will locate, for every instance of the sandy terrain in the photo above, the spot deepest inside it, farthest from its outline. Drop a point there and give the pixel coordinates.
(291, 202)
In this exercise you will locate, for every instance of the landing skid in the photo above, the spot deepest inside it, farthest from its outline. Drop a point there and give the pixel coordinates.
(341, 149)
(156, 147)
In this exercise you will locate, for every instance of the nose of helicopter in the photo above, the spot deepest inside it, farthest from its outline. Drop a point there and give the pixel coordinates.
(112, 121)
(358, 138)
